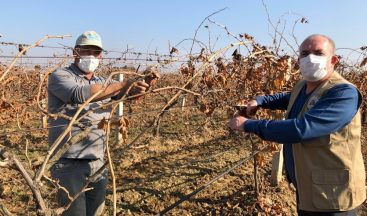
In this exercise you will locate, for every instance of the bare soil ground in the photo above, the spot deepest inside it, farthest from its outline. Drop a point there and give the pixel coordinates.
(189, 151)
(162, 170)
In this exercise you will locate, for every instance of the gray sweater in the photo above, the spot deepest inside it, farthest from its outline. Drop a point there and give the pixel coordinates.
(67, 90)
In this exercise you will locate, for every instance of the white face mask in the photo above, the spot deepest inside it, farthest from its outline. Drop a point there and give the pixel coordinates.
(88, 64)
(313, 67)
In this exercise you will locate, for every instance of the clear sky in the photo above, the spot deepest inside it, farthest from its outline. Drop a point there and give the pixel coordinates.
(149, 25)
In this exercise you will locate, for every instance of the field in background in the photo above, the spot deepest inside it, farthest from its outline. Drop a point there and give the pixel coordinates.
(189, 149)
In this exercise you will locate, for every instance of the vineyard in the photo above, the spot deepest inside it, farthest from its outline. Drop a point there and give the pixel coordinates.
(177, 155)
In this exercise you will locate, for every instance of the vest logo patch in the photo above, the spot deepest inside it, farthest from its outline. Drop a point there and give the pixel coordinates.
(313, 100)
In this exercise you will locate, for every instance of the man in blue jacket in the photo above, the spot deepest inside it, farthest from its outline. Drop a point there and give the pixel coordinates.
(321, 133)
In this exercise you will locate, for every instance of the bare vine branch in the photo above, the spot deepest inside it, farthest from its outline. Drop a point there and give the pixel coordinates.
(39, 42)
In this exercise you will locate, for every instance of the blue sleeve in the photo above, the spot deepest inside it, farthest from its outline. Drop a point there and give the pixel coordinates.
(64, 86)
(332, 112)
(277, 101)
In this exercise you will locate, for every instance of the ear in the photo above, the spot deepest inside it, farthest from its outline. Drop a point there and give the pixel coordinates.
(334, 59)
(76, 56)
(100, 56)
(75, 52)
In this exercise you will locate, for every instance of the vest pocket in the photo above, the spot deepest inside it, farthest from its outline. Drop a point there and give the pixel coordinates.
(330, 189)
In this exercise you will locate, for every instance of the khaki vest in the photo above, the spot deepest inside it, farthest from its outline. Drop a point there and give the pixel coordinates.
(329, 170)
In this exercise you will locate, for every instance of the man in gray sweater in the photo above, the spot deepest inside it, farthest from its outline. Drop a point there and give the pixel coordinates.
(69, 88)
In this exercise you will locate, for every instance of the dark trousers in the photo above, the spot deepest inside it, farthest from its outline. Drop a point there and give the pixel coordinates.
(344, 213)
(73, 175)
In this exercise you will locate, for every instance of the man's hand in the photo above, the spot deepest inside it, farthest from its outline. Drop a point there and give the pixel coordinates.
(237, 123)
(138, 88)
(152, 78)
(151, 75)
(252, 107)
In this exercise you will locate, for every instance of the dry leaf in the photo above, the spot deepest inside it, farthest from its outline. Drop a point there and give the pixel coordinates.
(304, 20)
(364, 62)
(173, 50)
(102, 124)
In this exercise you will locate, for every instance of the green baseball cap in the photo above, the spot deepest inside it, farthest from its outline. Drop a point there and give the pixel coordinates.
(89, 38)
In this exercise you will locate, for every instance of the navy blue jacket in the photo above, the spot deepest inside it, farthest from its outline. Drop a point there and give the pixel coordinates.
(331, 112)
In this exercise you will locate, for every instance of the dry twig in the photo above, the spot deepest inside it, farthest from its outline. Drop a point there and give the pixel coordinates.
(25, 49)
(34, 187)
